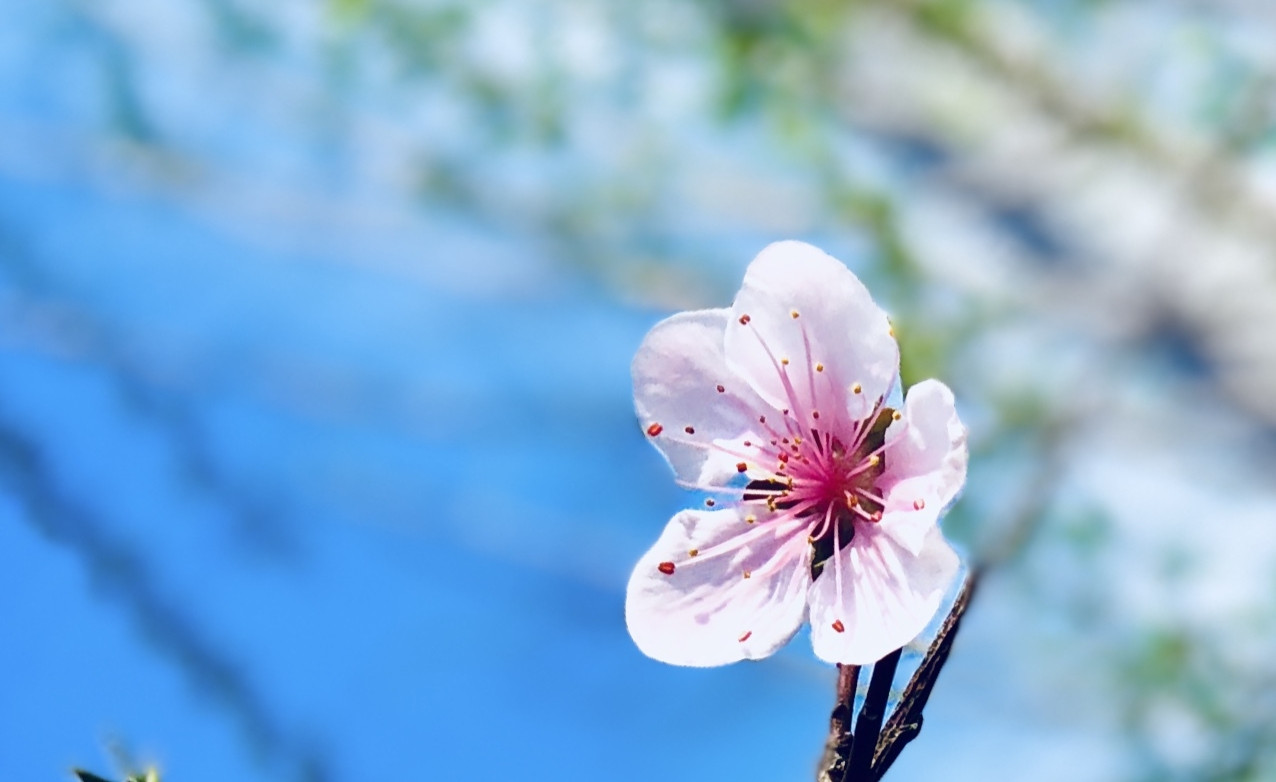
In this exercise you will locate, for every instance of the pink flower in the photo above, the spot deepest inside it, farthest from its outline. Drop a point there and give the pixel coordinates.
(828, 501)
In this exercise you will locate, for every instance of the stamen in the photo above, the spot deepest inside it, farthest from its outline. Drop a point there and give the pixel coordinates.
(709, 503)
(721, 388)
(857, 389)
(654, 430)
(741, 467)
(747, 634)
(793, 314)
(693, 552)
(784, 361)
(744, 320)
(689, 429)
(666, 567)
(819, 367)
(919, 503)
(838, 627)
(748, 573)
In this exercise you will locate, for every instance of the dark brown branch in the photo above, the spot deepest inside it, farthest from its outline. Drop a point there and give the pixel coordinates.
(906, 721)
(837, 747)
(868, 726)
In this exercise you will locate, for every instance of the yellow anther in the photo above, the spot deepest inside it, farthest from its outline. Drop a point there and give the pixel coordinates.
(784, 361)
(819, 367)
(693, 552)
(895, 416)
(793, 313)
(874, 460)
(857, 389)
(750, 519)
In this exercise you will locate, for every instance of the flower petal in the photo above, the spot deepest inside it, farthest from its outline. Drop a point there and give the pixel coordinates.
(687, 399)
(801, 306)
(887, 596)
(742, 596)
(925, 463)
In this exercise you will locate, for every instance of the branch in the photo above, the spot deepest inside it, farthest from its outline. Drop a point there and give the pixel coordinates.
(837, 747)
(868, 726)
(906, 721)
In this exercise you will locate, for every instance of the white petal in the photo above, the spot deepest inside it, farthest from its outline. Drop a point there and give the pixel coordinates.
(677, 372)
(887, 598)
(839, 341)
(706, 612)
(925, 463)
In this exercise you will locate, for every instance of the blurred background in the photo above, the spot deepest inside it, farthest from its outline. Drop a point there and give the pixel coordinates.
(317, 452)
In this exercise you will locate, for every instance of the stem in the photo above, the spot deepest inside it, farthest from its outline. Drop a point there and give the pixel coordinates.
(906, 721)
(868, 726)
(837, 747)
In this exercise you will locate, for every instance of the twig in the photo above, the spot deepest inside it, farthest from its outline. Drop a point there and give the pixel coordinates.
(868, 726)
(837, 747)
(906, 721)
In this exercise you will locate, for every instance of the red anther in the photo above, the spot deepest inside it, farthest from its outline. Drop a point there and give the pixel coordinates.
(721, 388)
(689, 429)
(741, 467)
(747, 635)
(784, 456)
(918, 504)
(744, 320)
(654, 430)
(666, 567)
(838, 626)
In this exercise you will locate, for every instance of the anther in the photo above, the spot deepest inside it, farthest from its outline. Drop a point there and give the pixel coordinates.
(741, 467)
(793, 314)
(857, 389)
(874, 460)
(748, 574)
(819, 367)
(815, 414)
(709, 503)
(896, 415)
(919, 503)
(693, 552)
(746, 636)
(744, 320)
(784, 456)
(750, 519)
(797, 439)
(689, 429)
(721, 388)
(762, 419)
(654, 430)
(784, 361)
(666, 567)
(838, 626)
(747, 444)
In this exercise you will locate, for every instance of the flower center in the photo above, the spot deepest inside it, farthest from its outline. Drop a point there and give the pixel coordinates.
(829, 483)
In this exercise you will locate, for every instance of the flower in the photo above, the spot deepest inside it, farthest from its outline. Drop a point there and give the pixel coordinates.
(827, 500)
